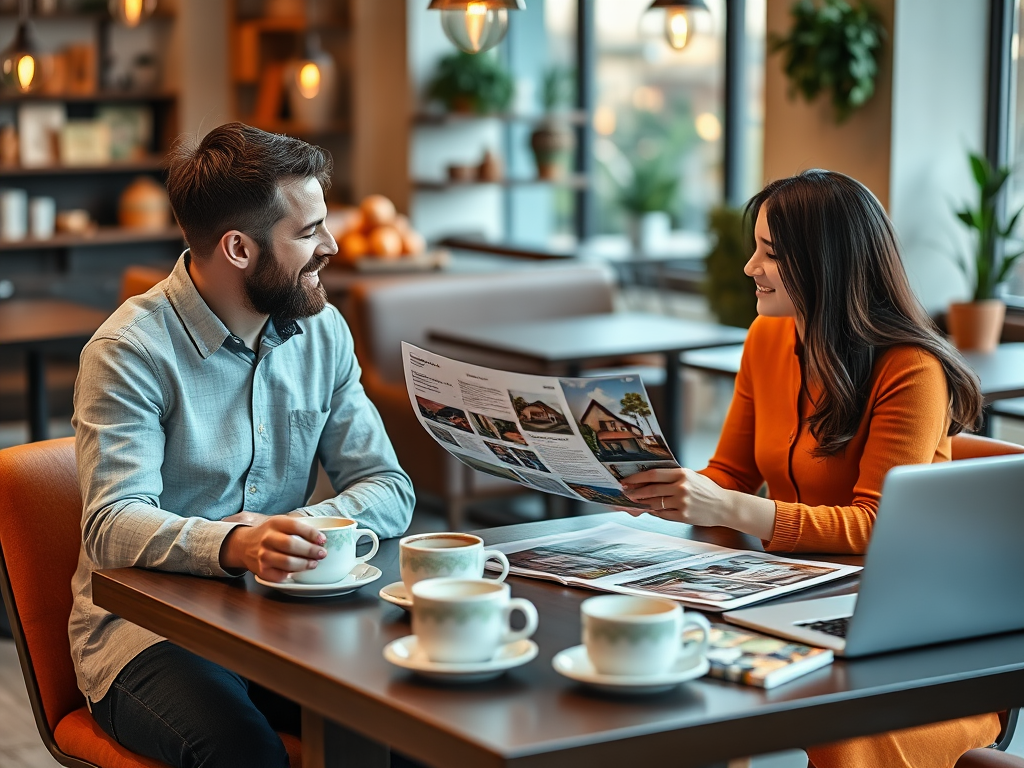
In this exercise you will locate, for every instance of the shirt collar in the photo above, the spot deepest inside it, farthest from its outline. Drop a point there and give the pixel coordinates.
(206, 330)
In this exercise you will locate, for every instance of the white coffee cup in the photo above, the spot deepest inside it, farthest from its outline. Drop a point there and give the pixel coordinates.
(13, 214)
(341, 534)
(642, 636)
(445, 555)
(42, 217)
(467, 620)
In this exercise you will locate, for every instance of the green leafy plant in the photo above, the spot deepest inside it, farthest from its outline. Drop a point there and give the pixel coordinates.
(650, 189)
(730, 292)
(559, 88)
(832, 47)
(467, 82)
(987, 267)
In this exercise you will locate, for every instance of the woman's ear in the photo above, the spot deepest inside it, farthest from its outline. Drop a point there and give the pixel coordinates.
(238, 249)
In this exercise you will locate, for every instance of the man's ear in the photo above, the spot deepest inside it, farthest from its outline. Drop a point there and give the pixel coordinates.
(238, 249)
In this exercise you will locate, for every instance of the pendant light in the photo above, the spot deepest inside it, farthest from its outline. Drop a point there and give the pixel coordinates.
(474, 27)
(309, 73)
(132, 12)
(679, 19)
(21, 66)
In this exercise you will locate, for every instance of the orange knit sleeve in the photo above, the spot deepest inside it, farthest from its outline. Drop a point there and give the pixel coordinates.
(734, 466)
(907, 421)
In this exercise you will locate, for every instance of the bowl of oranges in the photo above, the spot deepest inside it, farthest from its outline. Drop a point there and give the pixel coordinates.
(374, 237)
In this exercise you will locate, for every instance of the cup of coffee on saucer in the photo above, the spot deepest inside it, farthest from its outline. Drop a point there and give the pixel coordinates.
(462, 630)
(439, 555)
(634, 644)
(342, 534)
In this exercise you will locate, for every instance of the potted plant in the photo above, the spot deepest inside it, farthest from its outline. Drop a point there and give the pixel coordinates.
(553, 139)
(977, 324)
(832, 47)
(729, 291)
(647, 200)
(471, 83)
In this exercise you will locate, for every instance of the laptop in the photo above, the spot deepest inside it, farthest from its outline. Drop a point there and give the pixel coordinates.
(946, 562)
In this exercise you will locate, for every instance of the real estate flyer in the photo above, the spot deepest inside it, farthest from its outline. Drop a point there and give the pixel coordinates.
(573, 437)
(618, 558)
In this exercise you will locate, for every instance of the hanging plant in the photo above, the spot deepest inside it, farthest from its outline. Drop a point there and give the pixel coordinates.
(832, 47)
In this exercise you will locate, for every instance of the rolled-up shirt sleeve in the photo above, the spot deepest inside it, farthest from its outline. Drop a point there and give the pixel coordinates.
(119, 444)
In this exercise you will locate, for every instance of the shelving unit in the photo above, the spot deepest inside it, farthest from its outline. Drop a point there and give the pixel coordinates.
(87, 267)
(262, 45)
(573, 181)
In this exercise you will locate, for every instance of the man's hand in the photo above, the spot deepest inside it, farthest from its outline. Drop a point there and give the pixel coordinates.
(254, 518)
(272, 547)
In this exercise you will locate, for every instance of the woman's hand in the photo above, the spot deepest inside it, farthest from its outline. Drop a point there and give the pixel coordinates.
(684, 496)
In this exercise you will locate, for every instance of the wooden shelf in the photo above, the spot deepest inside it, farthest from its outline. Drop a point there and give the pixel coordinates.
(89, 98)
(145, 165)
(100, 236)
(440, 185)
(291, 24)
(160, 15)
(297, 129)
(447, 118)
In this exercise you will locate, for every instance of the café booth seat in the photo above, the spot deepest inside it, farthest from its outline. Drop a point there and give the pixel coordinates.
(40, 536)
(383, 313)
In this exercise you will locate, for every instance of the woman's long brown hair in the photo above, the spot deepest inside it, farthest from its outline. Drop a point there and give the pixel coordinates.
(839, 260)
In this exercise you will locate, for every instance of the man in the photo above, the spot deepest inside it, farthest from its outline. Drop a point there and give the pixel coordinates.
(201, 409)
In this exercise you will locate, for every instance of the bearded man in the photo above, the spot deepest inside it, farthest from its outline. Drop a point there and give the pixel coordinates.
(201, 411)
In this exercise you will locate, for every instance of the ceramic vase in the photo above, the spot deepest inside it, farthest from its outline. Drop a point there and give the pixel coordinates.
(976, 326)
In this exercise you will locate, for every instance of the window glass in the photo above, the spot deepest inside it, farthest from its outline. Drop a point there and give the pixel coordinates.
(1015, 197)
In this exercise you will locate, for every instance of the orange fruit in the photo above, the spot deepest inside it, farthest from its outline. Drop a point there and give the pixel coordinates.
(413, 243)
(401, 223)
(378, 210)
(385, 242)
(352, 247)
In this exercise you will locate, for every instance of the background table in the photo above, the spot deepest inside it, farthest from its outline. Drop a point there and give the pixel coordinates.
(35, 325)
(327, 655)
(563, 345)
(1000, 372)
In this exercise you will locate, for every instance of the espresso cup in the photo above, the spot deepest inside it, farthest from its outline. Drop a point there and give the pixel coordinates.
(467, 620)
(642, 636)
(342, 534)
(445, 555)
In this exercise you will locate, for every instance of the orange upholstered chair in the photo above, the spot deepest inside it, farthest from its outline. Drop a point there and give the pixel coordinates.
(139, 279)
(40, 523)
(977, 447)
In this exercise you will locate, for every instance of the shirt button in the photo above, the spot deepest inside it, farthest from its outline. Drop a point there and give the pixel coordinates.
(252, 489)
(260, 429)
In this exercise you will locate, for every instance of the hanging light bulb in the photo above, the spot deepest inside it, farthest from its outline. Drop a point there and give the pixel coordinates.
(309, 73)
(21, 67)
(474, 27)
(132, 12)
(679, 19)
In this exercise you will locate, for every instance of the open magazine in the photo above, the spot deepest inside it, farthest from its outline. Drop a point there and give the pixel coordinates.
(573, 437)
(618, 558)
(579, 438)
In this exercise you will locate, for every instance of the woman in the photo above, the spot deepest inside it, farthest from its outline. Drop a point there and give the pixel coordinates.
(843, 377)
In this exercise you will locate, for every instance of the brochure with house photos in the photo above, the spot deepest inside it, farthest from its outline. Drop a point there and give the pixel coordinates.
(573, 437)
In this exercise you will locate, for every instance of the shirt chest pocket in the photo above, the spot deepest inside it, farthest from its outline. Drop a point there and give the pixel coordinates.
(304, 428)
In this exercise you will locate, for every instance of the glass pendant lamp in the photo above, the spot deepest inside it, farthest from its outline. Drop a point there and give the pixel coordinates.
(21, 66)
(474, 27)
(679, 19)
(132, 12)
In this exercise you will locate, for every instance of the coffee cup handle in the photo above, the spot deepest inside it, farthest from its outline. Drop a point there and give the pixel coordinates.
(529, 612)
(493, 554)
(699, 648)
(360, 532)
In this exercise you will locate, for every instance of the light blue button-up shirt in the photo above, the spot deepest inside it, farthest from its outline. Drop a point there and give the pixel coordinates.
(179, 425)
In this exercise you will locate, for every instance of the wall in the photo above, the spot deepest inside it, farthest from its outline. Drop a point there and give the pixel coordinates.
(939, 80)
(798, 135)
(909, 144)
(200, 66)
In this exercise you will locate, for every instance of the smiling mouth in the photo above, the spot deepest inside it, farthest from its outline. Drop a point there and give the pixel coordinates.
(761, 289)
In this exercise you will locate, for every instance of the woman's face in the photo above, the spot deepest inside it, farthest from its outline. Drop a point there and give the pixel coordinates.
(772, 299)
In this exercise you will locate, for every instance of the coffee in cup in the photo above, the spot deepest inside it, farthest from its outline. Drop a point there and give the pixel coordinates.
(341, 534)
(445, 555)
(642, 636)
(467, 620)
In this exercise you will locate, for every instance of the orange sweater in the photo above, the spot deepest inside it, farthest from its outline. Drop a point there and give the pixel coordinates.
(829, 504)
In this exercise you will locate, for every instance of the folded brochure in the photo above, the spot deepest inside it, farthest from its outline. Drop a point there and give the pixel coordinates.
(742, 656)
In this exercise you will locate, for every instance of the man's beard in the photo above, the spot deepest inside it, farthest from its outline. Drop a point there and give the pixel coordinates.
(269, 290)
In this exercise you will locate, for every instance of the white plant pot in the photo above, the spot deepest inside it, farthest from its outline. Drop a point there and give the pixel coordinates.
(649, 232)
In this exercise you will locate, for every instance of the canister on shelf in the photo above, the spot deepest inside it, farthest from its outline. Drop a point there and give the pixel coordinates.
(144, 205)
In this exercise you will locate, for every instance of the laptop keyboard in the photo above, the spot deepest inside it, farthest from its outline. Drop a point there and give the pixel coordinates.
(834, 627)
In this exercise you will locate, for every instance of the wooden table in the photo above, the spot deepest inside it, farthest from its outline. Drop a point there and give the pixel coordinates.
(34, 325)
(327, 655)
(563, 345)
(1001, 372)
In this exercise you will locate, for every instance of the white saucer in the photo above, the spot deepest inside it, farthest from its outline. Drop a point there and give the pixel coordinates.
(396, 594)
(406, 653)
(575, 664)
(362, 574)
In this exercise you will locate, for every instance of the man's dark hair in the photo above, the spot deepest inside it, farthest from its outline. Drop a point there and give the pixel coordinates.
(230, 180)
